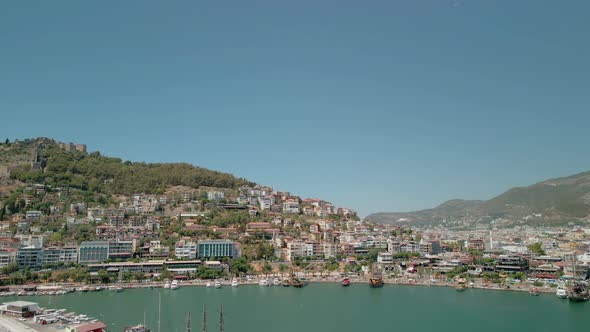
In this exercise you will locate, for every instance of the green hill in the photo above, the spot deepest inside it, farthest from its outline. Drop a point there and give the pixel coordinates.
(97, 173)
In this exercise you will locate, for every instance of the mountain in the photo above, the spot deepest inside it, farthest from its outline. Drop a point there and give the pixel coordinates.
(553, 201)
(57, 164)
(452, 208)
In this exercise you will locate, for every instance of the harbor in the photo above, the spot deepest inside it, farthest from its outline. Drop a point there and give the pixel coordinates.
(257, 308)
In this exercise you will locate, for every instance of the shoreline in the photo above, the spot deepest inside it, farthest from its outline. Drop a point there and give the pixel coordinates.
(62, 289)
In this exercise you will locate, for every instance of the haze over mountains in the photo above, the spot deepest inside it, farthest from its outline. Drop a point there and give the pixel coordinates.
(554, 201)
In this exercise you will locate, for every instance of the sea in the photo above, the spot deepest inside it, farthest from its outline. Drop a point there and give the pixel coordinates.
(326, 308)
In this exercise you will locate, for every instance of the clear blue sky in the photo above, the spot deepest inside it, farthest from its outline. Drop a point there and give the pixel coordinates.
(376, 105)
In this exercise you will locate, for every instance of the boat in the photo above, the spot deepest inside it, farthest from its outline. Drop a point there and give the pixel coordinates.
(167, 284)
(264, 282)
(578, 292)
(376, 282)
(534, 291)
(116, 289)
(561, 293)
(346, 282)
(285, 282)
(209, 284)
(235, 282)
(296, 282)
(460, 285)
(174, 284)
(136, 328)
(217, 284)
(276, 281)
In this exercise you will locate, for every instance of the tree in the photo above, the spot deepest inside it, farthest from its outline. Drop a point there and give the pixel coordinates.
(7, 141)
(266, 268)
(10, 268)
(536, 248)
(165, 274)
(372, 255)
(239, 266)
(104, 276)
(282, 268)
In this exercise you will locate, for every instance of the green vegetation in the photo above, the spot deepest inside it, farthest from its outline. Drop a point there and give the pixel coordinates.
(240, 266)
(536, 248)
(97, 173)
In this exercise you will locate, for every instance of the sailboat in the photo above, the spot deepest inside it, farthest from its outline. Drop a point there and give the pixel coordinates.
(577, 291)
(204, 322)
(221, 319)
(188, 322)
(137, 328)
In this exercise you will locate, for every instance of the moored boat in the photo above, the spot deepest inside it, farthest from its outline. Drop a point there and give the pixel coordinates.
(174, 284)
(346, 282)
(376, 282)
(285, 282)
(217, 284)
(534, 291)
(235, 282)
(561, 293)
(276, 281)
(167, 284)
(136, 328)
(296, 282)
(578, 292)
(264, 282)
(116, 289)
(460, 285)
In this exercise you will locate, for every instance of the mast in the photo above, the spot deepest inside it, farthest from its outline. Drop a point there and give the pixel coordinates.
(188, 322)
(159, 310)
(204, 323)
(221, 319)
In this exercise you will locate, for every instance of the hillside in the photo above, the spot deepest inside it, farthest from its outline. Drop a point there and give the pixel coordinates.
(453, 208)
(93, 172)
(558, 200)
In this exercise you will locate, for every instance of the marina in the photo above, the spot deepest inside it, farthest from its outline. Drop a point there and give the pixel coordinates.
(255, 308)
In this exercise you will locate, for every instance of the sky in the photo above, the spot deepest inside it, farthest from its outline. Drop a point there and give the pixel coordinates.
(373, 105)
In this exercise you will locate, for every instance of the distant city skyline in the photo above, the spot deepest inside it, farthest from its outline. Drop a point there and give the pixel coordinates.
(381, 106)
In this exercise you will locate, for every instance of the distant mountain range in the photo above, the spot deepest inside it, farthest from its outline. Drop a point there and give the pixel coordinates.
(552, 201)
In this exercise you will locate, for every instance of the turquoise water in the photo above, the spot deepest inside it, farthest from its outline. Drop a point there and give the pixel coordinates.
(330, 307)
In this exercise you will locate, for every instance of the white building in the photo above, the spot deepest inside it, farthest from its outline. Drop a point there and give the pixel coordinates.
(295, 249)
(185, 250)
(385, 258)
(291, 207)
(33, 215)
(266, 203)
(7, 257)
(215, 196)
(330, 249)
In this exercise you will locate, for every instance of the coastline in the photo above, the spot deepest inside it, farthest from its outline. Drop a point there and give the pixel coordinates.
(54, 289)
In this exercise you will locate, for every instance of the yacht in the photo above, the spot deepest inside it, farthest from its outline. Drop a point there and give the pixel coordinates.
(235, 282)
(217, 284)
(167, 284)
(263, 282)
(174, 284)
(276, 281)
(561, 293)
